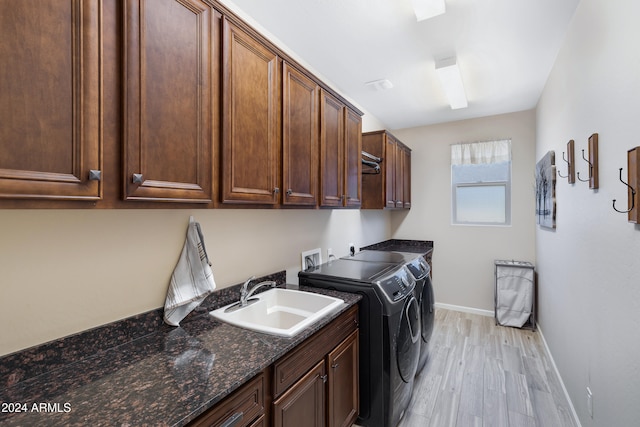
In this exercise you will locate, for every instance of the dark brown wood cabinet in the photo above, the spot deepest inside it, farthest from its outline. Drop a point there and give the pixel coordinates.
(50, 100)
(406, 176)
(322, 372)
(245, 407)
(391, 189)
(168, 87)
(126, 103)
(300, 138)
(251, 117)
(340, 148)
(353, 159)
(331, 151)
(343, 399)
(304, 403)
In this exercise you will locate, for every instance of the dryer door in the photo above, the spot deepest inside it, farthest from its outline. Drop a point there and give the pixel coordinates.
(426, 308)
(408, 335)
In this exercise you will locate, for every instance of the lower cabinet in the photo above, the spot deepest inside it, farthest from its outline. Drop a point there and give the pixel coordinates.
(343, 399)
(304, 403)
(314, 385)
(327, 395)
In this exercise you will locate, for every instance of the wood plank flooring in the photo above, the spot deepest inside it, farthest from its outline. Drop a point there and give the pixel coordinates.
(484, 375)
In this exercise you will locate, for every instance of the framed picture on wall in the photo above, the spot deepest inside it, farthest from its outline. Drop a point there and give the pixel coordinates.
(546, 190)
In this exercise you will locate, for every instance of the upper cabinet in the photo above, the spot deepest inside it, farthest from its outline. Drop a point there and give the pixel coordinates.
(391, 188)
(406, 176)
(50, 109)
(332, 158)
(250, 148)
(300, 138)
(340, 148)
(353, 159)
(133, 102)
(167, 143)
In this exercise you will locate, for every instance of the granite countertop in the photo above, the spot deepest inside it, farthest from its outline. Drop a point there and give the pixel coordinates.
(400, 245)
(163, 376)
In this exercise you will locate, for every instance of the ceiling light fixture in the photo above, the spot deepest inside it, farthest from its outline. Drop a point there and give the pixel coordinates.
(426, 9)
(382, 84)
(451, 81)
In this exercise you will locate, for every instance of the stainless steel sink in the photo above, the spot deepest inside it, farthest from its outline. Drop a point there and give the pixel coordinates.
(284, 312)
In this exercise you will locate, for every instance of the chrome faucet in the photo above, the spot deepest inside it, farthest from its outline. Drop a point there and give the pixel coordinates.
(246, 291)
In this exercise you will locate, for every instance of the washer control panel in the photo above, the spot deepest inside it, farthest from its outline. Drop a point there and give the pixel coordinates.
(419, 268)
(397, 286)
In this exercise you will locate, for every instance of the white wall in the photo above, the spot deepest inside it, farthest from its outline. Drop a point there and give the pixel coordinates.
(463, 255)
(589, 267)
(65, 271)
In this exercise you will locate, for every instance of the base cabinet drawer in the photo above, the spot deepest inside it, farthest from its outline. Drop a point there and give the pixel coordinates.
(240, 409)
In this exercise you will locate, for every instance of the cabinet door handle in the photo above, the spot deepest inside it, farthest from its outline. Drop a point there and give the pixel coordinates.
(324, 378)
(137, 178)
(289, 192)
(335, 365)
(276, 190)
(95, 175)
(232, 420)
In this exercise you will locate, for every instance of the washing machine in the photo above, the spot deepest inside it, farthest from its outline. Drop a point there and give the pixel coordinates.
(389, 333)
(420, 271)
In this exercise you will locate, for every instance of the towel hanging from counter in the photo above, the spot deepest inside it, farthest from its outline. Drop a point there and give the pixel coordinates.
(192, 278)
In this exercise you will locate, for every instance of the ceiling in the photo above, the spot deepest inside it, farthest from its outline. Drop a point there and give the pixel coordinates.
(505, 50)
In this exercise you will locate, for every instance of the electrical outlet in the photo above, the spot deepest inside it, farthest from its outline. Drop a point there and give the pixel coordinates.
(311, 258)
(352, 249)
(589, 402)
(329, 254)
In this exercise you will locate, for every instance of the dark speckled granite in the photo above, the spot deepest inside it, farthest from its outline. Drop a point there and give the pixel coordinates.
(140, 371)
(417, 246)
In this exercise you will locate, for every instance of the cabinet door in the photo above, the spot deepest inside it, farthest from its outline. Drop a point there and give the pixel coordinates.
(251, 110)
(406, 181)
(300, 139)
(167, 100)
(343, 395)
(353, 159)
(50, 110)
(304, 402)
(331, 151)
(390, 171)
(399, 175)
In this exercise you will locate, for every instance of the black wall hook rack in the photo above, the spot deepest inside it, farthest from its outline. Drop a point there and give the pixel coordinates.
(633, 196)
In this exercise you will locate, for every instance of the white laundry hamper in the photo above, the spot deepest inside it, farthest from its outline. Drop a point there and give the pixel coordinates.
(515, 294)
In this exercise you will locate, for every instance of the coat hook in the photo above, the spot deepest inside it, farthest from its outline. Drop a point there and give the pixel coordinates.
(590, 169)
(633, 196)
(568, 164)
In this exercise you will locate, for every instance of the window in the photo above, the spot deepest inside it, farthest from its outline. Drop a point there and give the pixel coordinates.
(481, 183)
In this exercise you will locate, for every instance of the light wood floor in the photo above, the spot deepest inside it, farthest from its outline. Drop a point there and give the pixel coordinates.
(480, 374)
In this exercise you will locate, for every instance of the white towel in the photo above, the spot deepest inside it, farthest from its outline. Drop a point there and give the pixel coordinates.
(192, 279)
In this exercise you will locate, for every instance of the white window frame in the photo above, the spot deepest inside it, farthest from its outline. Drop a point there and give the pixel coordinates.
(493, 183)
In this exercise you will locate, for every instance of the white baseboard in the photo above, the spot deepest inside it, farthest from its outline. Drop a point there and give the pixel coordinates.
(464, 309)
(555, 368)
